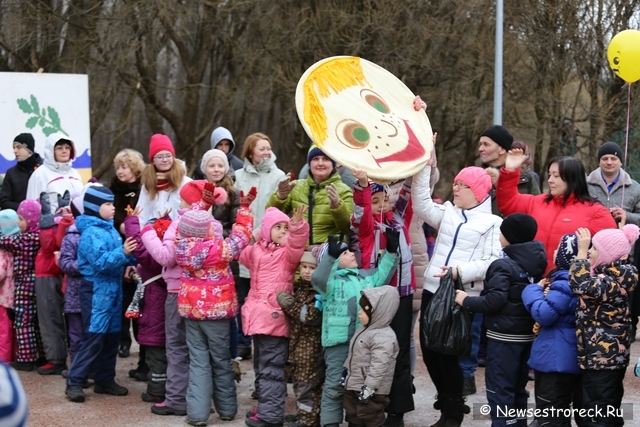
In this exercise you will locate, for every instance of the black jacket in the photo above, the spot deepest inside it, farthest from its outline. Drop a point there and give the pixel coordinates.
(505, 315)
(16, 181)
(125, 194)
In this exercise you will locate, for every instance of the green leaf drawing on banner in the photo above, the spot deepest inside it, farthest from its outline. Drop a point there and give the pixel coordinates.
(39, 117)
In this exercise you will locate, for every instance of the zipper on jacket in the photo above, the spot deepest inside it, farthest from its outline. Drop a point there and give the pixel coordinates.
(353, 342)
(455, 237)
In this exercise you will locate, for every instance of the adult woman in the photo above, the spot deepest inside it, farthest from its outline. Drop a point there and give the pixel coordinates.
(566, 207)
(259, 171)
(161, 181)
(330, 201)
(468, 241)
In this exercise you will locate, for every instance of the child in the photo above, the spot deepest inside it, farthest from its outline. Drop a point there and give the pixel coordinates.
(339, 282)
(305, 349)
(554, 354)
(102, 259)
(207, 301)
(272, 262)
(368, 370)
(602, 283)
(8, 227)
(375, 213)
(24, 247)
(509, 324)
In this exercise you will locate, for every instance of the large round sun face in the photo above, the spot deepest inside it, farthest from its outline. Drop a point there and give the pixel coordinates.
(362, 116)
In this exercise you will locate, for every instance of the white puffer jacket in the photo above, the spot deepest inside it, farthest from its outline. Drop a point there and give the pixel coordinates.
(468, 239)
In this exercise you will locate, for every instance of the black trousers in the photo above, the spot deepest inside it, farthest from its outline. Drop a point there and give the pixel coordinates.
(558, 390)
(602, 389)
(401, 396)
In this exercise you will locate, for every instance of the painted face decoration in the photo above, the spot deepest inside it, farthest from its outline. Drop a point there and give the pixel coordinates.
(362, 116)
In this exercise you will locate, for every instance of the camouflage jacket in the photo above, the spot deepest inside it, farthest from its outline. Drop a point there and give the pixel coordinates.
(603, 323)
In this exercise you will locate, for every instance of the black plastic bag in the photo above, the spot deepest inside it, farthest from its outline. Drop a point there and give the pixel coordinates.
(446, 326)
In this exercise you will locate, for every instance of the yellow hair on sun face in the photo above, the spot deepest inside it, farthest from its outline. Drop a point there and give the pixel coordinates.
(335, 75)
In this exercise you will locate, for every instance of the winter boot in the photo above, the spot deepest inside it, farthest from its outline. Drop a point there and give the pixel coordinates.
(469, 386)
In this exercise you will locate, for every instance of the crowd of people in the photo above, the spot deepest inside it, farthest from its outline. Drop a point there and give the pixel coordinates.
(319, 280)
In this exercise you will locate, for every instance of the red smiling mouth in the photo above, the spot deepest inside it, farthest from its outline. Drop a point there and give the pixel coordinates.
(412, 151)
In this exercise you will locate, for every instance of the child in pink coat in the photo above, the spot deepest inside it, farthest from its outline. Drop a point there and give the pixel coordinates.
(272, 262)
(8, 227)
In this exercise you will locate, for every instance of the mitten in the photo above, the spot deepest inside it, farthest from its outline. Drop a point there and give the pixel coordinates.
(366, 394)
(248, 198)
(285, 186)
(64, 200)
(46, 217)
(285, 300)
(208, 193)
(335, 247)
(237, 373)
(318, 302)
(343, 378)
(393, 240)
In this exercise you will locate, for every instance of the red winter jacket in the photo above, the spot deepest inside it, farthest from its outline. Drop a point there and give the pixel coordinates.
(554, 219)
(45, 259)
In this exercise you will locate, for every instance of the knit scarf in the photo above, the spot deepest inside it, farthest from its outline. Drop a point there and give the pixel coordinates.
(162, 183)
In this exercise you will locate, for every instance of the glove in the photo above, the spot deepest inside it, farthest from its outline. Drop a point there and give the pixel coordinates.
(393, 240)
(237, 373)
(64, 200)
(366, 394)
(335, 247)
(285, 300)
(247, 199)
(318, 302)
(343, 378)
(46, 217)
(208, 195)
(285, 186)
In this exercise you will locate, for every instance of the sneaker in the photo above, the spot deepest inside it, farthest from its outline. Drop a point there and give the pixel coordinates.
(162, 409)
(244, 352)
(469, 386)
(152, 398)
(114, 389)
(226, 418)
(139, 374)
(123, 351)
(291, 418)
(74, 393)
(196, 423)
(254, 395)
(482, 362)
(23, 366)
(296, 423)
(257, 422)
(394, 420)
(52, 369)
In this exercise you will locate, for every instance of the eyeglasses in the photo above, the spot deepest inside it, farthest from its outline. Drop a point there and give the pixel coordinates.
(163, 157)
(460, 185)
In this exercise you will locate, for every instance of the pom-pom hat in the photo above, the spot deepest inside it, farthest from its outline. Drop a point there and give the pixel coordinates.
(613, 243)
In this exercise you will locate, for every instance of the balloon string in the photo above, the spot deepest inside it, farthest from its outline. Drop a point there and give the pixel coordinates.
(626, 136)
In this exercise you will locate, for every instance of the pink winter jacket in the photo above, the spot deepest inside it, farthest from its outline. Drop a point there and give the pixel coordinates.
(272, 269)
(7, 285)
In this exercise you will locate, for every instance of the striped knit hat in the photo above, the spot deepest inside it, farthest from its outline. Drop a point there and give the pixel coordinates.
(95, 197)
(195, 224)
(14, 407)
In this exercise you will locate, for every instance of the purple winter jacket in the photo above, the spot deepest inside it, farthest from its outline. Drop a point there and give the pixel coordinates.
(69, 266)
(152, 315)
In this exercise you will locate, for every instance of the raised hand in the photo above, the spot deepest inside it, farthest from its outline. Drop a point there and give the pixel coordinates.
(393, 240)
(334, 198)
(584, 241)
(64, 200)
(134, 212)
(129, 246)
(334, 247)
(47, 219)
(208, 195)
(164, 214)
(515, 159)
(248, 198)
(298, 213)
(361, 176)
(419, 104)
(285, 186)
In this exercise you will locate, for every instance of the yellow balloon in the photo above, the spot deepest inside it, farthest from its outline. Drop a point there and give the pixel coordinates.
(624, 55)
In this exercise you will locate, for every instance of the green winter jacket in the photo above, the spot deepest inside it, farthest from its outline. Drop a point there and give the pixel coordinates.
(340, 289)
(323, 221)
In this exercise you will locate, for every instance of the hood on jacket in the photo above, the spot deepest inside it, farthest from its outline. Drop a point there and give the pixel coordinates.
(595, 178)
(49, 157)
(265, 165)
(272, 216)
(218, 135)
(385, 301)
(529, 255)
(85, 221)
(30, 211)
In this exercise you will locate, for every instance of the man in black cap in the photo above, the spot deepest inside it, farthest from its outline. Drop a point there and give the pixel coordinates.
(14, 188)
(606, 185)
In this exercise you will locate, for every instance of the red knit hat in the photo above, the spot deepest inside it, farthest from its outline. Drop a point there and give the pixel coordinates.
(191, 192)
(160, 142)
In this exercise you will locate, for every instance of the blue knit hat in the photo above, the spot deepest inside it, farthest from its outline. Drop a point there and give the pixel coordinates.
(567, 251)
(9, 222)
(314, 151)
(375, 187)
(95, 197)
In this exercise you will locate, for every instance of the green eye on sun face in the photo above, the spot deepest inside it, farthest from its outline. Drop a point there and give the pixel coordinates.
(375, 101)
(353, 134)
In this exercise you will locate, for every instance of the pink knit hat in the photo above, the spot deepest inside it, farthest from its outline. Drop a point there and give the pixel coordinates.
(160, 142)
(477, 179)
(613, 243)
(271, 217)
(197, 223)
(30, 211)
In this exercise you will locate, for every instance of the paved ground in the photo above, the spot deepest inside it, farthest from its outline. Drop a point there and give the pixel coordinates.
(50, 408)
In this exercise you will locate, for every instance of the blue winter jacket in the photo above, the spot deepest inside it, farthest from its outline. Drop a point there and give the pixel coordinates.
(555, 348)
(101, 260)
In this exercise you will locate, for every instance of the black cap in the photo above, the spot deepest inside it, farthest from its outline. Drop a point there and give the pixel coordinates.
(26, 140)
(500, 135)
(611, 148)
(519, 228)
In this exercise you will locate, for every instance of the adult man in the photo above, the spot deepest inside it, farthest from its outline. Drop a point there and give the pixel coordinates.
(222, 139)
(494, 143)
(607, 185)
(14, 188)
